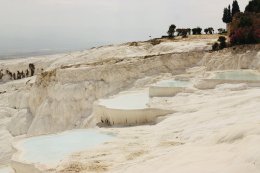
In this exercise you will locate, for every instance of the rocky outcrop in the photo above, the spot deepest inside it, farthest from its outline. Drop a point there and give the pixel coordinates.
(63, 99)
(62, 96)
(239, 57)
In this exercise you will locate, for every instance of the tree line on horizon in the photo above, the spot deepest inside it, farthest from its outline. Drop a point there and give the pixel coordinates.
(19, 74)
(242, 27)
(188, 31)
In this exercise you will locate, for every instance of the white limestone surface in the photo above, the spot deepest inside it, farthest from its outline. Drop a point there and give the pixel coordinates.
(67, 85)
(212, 131)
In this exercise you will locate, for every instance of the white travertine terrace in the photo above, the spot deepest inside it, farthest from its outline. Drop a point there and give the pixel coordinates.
(250, 77)
(168, 88)
(128, 108)
(61, 95)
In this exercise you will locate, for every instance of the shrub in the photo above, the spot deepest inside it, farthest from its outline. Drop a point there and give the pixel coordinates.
(206, 30)
(1, 74)
(189, 31)
(32, 68)
(209, 30)
(246, 35)
(256, 34)
(183, 32)
(221, 45)
(222, 31)
(222, 41)
(215, 46)
(133, 44)
(155, 42)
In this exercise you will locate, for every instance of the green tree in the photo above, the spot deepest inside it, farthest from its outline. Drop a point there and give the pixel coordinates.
(235, 8)
(245, 21)
(215, 46)
(229, 14)
(227, 18)
(253, 6)
(206, 30)
(211, 30)
(171, 31)
(196, 31)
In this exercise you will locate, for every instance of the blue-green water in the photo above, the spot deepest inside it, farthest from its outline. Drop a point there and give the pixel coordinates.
(238, 75)
(53, 148)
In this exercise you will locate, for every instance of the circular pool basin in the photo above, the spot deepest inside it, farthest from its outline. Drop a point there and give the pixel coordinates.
(168, 88)
(246, 75)
(49, 150)
(128, 100)
(250, 77)
(127, 108)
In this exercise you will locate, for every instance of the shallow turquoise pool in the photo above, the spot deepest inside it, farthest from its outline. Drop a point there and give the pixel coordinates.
(53, 148)
(238, 75)
(172, 83)
(127, 101)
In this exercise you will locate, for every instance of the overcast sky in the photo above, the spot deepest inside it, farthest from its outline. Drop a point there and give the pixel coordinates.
(77, 24)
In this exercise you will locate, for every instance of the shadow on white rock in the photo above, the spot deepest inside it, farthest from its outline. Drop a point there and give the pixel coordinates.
(20, 123)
